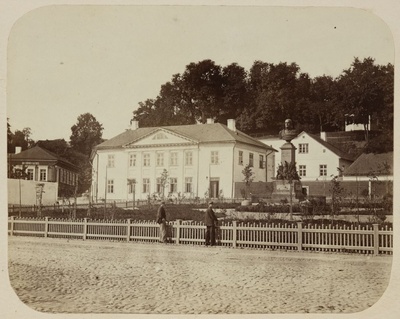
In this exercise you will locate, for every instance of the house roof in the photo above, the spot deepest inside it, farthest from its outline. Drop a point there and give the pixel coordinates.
(330, 147)
(200, 133)
(38, 153)
(365, 164)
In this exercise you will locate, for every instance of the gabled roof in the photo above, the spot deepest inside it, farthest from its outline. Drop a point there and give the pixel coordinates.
(365, 164)
(35, 153)
(200, 133)
(38, 153)
(330, 147)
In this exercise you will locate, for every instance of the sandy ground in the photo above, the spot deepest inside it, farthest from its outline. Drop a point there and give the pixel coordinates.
(74, 276)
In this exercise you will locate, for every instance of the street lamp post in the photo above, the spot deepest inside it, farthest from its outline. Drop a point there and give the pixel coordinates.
(19, 182)
(105, 195)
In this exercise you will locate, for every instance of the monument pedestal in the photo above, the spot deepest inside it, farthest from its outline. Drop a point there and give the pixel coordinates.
(281, 191)
(288, 153)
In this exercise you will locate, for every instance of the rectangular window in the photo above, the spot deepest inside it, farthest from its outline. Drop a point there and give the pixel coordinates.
(146, 159)
(159, 186)
(160, 159)
(188, 184)
(173, 185)
(173, 160)
(146, 185)
(42, 174)
(110, 161)
(240, 157)
(214, 157)
(131, 186)
(30, 174)
(132, 160)
(323, 170)
(251, 159)
(302, 170)
(188, 158)
(110, 186)
(261, 161)
(303, 148)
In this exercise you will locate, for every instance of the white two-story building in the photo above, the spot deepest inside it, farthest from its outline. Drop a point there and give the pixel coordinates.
(315, 158)
(201, 160)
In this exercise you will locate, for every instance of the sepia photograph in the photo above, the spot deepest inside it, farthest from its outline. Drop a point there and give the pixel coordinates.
(198, 159)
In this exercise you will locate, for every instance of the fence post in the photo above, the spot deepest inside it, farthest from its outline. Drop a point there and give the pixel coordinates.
(299, 236)
(84, 228)
(376, 239)
(178, 231)
(12, 225)
(46, 226)
(234, 233)
(128, 230)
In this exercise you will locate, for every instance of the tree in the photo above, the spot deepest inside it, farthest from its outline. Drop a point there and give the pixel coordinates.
(288, 172)
(22, 139)
(234, 92)
(276, 95)
(322, 116)
(360, 94)
(169, 108)
(384, 119)
(248, 176)
(163, 181)
(337, 193)
(86, 134)
(202, 84)
(9, 138)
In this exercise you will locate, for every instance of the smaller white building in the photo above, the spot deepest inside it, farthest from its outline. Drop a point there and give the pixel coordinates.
(316, 159)
(201, 160)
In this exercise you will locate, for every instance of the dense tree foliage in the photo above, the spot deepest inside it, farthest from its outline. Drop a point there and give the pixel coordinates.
(19, 138)
(262, 98)
(86, 133)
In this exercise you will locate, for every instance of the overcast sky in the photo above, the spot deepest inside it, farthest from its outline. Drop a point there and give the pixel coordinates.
(67, 60)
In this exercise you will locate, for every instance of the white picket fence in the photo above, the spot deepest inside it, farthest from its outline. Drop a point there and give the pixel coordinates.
(373, 240)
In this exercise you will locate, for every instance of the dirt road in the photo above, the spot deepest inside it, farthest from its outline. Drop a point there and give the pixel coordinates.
(57, 275)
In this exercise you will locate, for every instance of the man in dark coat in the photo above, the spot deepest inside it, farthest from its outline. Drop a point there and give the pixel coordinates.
(211, 221)
(162, 220)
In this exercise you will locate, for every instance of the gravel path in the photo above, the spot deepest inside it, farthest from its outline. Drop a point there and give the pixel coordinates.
(73, 276)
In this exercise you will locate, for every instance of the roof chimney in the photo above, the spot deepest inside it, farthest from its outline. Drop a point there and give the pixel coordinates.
(210, 121)
(231, 123)
(18, 149)
(134, 125)
(323, 136)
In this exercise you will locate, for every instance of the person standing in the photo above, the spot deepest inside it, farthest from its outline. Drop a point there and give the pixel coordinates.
(211, 222)
(162, 221)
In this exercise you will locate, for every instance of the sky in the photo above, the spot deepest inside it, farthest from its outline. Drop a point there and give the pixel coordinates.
(64, 61)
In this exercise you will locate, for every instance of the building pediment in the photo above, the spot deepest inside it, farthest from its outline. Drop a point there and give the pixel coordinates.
(160, 137)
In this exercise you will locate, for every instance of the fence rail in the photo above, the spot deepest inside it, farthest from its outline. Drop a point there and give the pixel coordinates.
(371, 240)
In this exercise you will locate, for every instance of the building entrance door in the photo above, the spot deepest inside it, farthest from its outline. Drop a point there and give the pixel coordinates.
(214, 188)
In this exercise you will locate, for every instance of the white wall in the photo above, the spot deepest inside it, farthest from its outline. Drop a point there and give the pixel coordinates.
(28, 192)
(227, 171)
(317, 155)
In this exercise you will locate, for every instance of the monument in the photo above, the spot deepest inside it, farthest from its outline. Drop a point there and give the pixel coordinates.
(287, 180)
(288, 149)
